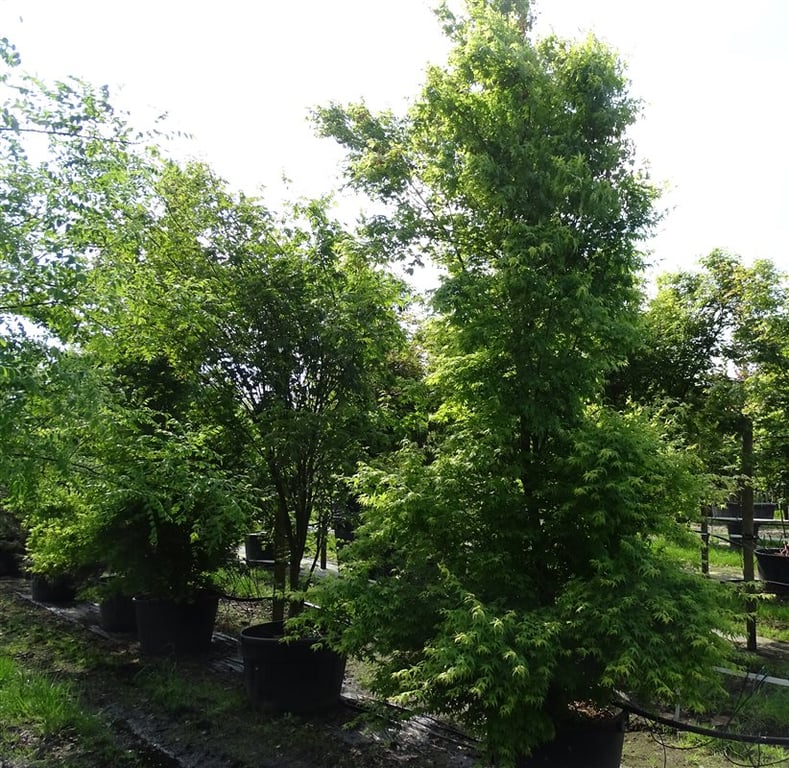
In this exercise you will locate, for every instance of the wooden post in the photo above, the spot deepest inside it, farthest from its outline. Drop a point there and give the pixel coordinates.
(705, 544)
(748, 538)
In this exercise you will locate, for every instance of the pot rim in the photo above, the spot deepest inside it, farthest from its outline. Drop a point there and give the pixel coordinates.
(769, 551)
(274, 631)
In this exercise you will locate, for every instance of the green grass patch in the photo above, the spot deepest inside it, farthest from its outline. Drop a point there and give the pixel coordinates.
(42, 702)
(185, 687)
(689, 552)
(773, 619)
(46, 724)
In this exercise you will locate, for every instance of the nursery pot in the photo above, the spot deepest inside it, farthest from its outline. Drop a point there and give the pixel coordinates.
(761, 510)
(117, 614)
(9, 560)
(258, 550)
(593, 743)
(773, 569)
(293, 676)
(53, 589)
(175, 627)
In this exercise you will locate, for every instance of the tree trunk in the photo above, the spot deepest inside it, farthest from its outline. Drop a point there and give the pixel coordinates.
(281, 549)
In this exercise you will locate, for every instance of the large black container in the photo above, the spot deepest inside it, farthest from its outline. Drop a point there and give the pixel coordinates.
(594, 743)
(9, 559)
(773, 569)
(53, 589)
(168, 627)
(293, 676)
(118, 614)
(258, 550)
(761, 510)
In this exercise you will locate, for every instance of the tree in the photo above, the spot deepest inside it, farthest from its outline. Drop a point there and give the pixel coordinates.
(287, 329)
(713, 349)
(120, 267)
(714, 352)
(71, 172)
(514, 566)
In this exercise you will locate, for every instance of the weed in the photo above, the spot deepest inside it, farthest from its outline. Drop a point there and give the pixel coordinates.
(241, 582)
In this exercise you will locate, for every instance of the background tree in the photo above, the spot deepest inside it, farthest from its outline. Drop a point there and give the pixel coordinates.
(713, 351)
(514, 564)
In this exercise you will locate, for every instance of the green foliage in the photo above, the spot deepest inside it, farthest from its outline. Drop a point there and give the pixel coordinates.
(714, 350)
(173, 350)
(505, 566)
(70, 167)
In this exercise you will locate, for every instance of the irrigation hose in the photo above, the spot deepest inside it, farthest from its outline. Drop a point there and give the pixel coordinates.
(773, 741)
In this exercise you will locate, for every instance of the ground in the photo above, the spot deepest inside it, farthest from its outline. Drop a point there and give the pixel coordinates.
(185, 714)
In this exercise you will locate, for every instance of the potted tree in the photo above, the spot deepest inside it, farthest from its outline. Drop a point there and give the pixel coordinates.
(289, 335)
(152, 504)
(167, 509)
(309, 412)
(523, 585)
(58, 562)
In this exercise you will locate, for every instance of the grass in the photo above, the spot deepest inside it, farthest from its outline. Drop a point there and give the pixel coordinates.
(773, 618)
(179, 688)
(46, 723)
(689, 551)
(36, 700)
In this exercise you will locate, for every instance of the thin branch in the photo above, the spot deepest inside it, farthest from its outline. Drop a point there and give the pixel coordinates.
(69, 135)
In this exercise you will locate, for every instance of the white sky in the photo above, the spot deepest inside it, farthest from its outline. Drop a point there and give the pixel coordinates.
(241, 76)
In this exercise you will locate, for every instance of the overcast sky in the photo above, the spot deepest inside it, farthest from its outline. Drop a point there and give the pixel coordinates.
(241, 76)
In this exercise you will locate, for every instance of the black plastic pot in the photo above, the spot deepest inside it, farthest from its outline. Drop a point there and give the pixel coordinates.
(9, 560)
(167, 627)
(258, 550)
(596, 743)
(293, 676)
(53, 589)
(760, 508)
(117, 614)
(773, 569)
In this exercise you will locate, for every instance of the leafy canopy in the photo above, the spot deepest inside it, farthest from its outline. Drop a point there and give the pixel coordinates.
(511, 555)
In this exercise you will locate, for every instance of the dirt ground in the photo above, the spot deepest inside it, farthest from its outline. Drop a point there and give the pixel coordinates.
(194, 734)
